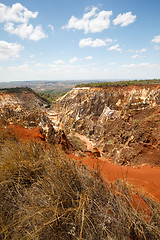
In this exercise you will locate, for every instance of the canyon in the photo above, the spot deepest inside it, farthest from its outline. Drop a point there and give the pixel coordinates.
(118, 123)
(112, 126)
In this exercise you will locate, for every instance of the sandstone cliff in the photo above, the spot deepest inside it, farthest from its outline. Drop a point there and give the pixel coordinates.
(26, 109)
(121, 123)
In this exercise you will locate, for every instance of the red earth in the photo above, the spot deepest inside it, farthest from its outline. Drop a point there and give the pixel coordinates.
(145, 178)
(25, 134)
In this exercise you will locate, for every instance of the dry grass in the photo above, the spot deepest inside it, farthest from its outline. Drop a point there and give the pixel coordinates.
(44, 195)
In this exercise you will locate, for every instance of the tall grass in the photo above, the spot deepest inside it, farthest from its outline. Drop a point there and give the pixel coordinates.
(44, 195)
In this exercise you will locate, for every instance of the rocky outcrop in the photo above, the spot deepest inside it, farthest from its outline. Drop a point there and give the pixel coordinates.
(27, 110)
(123, 123)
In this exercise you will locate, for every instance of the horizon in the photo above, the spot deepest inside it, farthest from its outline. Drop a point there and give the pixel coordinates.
(82, 41)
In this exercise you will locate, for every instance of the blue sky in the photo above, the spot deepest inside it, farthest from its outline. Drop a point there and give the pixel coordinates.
(76, 40)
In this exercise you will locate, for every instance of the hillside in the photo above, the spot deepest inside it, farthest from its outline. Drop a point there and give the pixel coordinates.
(61, 174)
(122, 123)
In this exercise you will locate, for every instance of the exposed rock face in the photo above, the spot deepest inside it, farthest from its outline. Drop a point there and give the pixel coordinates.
(119, 123)
(27, 110)
(123, 123)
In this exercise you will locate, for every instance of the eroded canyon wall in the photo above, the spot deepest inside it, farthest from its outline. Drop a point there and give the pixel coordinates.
(122, 123)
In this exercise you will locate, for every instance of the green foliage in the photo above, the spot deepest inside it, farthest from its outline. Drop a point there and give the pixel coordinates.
(16, 90)
(119, 83)
(52, 95)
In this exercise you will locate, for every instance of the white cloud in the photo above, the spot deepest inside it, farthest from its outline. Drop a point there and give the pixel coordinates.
(141, 50)
(124, 19)
(92, 21)
(9, 50)
(135, 56)
(17, 13)
(88, 42)
(115, 48)
(156, 39)
(89, 58)
(128, 65)
(73, 60)
(20, 15)
(109, 40)
(59, 61)
(51, 27)
(143, 65)
(39, 65)
(137, 51)
(37, 34)
(32, 56)
(148, 65)
(112, 63)
(156, 47)
(26, 31)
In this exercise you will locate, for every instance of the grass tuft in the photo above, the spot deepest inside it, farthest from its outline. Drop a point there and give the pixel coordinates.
(45, 195)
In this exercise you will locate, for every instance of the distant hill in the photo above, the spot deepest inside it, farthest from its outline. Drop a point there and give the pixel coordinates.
(119, 83)
(44, 86)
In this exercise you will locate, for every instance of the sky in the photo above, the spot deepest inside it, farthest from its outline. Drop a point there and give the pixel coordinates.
(79, 40)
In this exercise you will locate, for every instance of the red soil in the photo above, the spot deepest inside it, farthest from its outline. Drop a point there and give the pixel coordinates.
(145, 178)
(26, 134)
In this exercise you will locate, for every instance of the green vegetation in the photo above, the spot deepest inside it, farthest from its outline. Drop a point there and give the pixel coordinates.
(52, 95)
(119, 83)
(16, 90)
(44, 195)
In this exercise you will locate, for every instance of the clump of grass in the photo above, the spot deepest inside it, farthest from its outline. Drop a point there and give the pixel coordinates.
(45, 195)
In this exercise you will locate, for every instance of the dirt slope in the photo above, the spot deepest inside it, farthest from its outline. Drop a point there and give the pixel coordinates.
(145, 178)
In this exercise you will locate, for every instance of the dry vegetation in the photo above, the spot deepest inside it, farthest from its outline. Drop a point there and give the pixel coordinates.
(120, 83)
(44, 195)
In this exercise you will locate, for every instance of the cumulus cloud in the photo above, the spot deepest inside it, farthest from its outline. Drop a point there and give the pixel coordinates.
(32, 56)
(137, 52)
(112, 63)
(26, 31)
(73, 60)
(39, 65)
(148, 65)
(124, 19)
(9, 50)
(89, 58)
(135, 56)
(141, 50)
(144, 65)
(59, 61)
(156, 47)
(17, 13)
(89, 42)
(129, 65)
(115, 48)
(156, 39)
(92, 21)
(20, 15)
